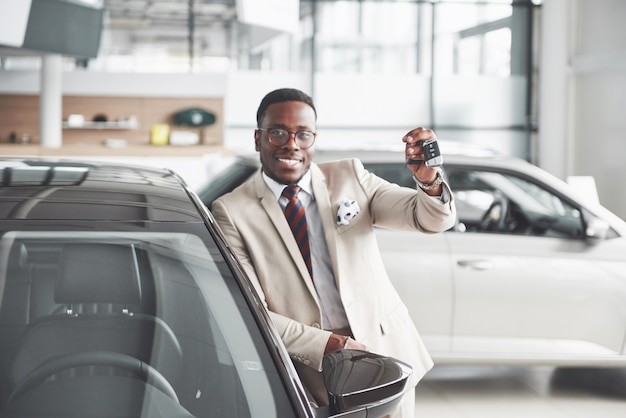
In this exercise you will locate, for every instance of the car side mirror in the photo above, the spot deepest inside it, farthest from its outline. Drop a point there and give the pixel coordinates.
(359, 381)
(597, 230)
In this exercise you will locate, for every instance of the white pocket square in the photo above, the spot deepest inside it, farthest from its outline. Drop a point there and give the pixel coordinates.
(348, 209)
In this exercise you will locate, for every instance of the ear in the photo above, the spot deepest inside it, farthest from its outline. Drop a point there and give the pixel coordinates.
(257, 140)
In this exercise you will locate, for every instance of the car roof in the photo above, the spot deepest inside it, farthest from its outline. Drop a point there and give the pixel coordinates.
(462, 155)
(455, 154)
(43, 188)
(458, 155)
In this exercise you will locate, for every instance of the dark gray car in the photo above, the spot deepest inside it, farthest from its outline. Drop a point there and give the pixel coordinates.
(119, 297)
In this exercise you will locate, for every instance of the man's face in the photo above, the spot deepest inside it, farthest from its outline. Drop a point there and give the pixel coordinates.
(289, 162)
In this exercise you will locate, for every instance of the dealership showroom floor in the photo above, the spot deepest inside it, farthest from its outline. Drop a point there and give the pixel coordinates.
(521, 392)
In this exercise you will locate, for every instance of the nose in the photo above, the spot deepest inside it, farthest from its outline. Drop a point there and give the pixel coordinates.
(292, 142)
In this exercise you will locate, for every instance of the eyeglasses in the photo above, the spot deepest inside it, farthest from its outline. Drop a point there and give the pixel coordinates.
(279, 137)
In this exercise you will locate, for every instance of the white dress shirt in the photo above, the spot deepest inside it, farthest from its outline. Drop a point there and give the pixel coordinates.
(333, 313)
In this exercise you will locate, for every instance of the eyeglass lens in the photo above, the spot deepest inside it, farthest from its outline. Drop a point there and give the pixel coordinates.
(281, 136)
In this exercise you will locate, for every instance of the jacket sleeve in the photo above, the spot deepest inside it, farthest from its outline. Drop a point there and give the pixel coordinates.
(398, 207)
(304, 343)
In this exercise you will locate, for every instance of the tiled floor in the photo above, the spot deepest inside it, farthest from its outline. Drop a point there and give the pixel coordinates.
(533, 392)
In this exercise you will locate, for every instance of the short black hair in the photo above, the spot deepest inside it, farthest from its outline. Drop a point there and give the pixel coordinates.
(283, 95)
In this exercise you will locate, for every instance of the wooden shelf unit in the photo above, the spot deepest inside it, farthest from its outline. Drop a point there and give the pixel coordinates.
(19, 114)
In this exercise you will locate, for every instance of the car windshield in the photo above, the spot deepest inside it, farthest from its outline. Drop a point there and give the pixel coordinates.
(83, 302)
(227, 179)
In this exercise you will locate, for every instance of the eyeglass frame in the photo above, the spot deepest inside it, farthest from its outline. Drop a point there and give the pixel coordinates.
(289, 135)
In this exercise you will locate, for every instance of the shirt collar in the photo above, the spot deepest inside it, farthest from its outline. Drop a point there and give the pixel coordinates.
(277, 188)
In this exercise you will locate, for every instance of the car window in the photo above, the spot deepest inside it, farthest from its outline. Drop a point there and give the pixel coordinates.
(226, 180)
(392, 172)
(103, 299)
(504, 203)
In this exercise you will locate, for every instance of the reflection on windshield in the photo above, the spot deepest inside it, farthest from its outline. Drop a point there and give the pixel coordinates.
(93, 309)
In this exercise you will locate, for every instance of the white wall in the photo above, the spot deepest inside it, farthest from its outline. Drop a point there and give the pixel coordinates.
(582, 122)
(599, 108)
(93, 83)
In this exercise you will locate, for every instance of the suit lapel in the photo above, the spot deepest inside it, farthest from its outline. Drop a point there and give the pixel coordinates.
(277, 217)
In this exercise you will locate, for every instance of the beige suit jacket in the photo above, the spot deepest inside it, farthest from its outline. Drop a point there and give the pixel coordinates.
(254, 224)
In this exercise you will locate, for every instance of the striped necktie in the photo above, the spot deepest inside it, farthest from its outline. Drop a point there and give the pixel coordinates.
(296, 217)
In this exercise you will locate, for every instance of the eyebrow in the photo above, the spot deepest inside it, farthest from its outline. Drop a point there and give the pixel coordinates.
(299, 128)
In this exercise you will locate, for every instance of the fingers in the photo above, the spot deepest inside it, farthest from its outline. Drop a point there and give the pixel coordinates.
(418, 134)
(413, 149)
(355, 345)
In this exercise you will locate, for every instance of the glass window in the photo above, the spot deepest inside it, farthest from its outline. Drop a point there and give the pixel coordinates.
(473, 39)
(493, 202)
(108, 302)
(367, 37)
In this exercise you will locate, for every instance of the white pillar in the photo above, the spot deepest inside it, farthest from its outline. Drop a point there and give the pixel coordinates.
(50, 102)
(554, 144)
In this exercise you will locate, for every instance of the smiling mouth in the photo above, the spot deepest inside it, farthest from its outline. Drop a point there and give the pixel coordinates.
(289, 161)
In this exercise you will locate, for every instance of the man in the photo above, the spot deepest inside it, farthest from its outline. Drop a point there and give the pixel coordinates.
(329, 291)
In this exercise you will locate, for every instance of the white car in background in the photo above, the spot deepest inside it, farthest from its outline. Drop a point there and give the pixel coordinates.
(530, 274)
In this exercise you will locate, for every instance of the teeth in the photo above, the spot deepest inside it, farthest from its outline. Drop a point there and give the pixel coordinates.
(288, 161)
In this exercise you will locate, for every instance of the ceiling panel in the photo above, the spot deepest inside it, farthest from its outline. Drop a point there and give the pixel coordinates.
(122, 13)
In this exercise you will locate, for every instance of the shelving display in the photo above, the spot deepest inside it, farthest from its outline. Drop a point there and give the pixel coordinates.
(97, 120)
(121, 125)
